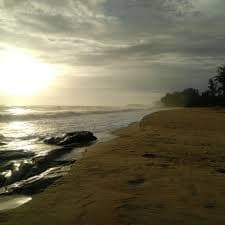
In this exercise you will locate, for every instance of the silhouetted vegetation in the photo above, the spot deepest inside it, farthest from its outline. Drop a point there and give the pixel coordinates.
(190, 97)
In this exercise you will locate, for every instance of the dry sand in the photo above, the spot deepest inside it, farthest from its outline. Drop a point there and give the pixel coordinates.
(169, 169)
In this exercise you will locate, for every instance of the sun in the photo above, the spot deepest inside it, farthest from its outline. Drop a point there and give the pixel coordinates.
(23, 75)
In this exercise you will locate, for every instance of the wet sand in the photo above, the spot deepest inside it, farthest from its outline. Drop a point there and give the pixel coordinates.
(169, 169)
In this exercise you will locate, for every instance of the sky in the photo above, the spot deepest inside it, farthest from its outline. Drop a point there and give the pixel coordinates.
(114, 52)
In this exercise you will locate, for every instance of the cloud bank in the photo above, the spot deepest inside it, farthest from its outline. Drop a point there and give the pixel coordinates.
(134, 46)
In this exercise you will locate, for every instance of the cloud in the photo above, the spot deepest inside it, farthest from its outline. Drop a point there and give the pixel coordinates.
(103, 38)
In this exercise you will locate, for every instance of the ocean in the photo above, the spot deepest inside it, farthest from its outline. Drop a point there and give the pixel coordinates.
(23, 129)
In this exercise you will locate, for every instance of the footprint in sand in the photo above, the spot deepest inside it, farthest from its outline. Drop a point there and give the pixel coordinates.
(137, 181)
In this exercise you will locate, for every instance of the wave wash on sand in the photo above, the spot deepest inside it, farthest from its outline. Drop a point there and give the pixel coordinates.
(167, 169)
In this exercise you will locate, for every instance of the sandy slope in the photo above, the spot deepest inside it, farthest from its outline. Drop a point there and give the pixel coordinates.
(167, 169)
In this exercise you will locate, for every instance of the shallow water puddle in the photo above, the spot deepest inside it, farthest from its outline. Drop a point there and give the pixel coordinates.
(12, 202)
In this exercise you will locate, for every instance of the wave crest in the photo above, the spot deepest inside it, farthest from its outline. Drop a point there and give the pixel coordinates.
(36, 115)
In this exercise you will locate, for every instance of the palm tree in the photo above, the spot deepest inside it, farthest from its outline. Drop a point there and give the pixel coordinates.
(213, 87)
(220, 78)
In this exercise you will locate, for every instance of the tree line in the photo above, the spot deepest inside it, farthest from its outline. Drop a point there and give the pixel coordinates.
(190, 97)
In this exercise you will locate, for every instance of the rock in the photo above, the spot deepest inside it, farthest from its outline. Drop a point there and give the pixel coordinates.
(2, 180)
(15, 154)
(35, 184)
(43, 163)
(19, 172)
(6, 166)
(53, 154)
(73, 139)
(22, 170)
(83, 137)
(52, 140)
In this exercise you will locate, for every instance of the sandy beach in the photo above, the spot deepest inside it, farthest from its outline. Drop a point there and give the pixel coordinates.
(168, 169)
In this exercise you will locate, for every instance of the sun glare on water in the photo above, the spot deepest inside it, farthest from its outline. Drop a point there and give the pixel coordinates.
(23, 75)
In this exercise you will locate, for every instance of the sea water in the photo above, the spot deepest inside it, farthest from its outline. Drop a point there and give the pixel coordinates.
(22, 128)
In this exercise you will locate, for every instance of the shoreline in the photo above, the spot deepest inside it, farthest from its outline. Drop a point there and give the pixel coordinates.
(161, 170)
(74, 155)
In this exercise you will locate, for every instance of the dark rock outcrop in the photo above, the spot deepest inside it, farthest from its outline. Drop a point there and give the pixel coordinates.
(15, 154)
(19, 172)
(73, 139)
(23, 172)
(25, 169)
(35, 184)
(2, 180)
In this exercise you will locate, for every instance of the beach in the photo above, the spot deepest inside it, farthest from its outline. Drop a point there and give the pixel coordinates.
(32, 152)
(169, 168)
